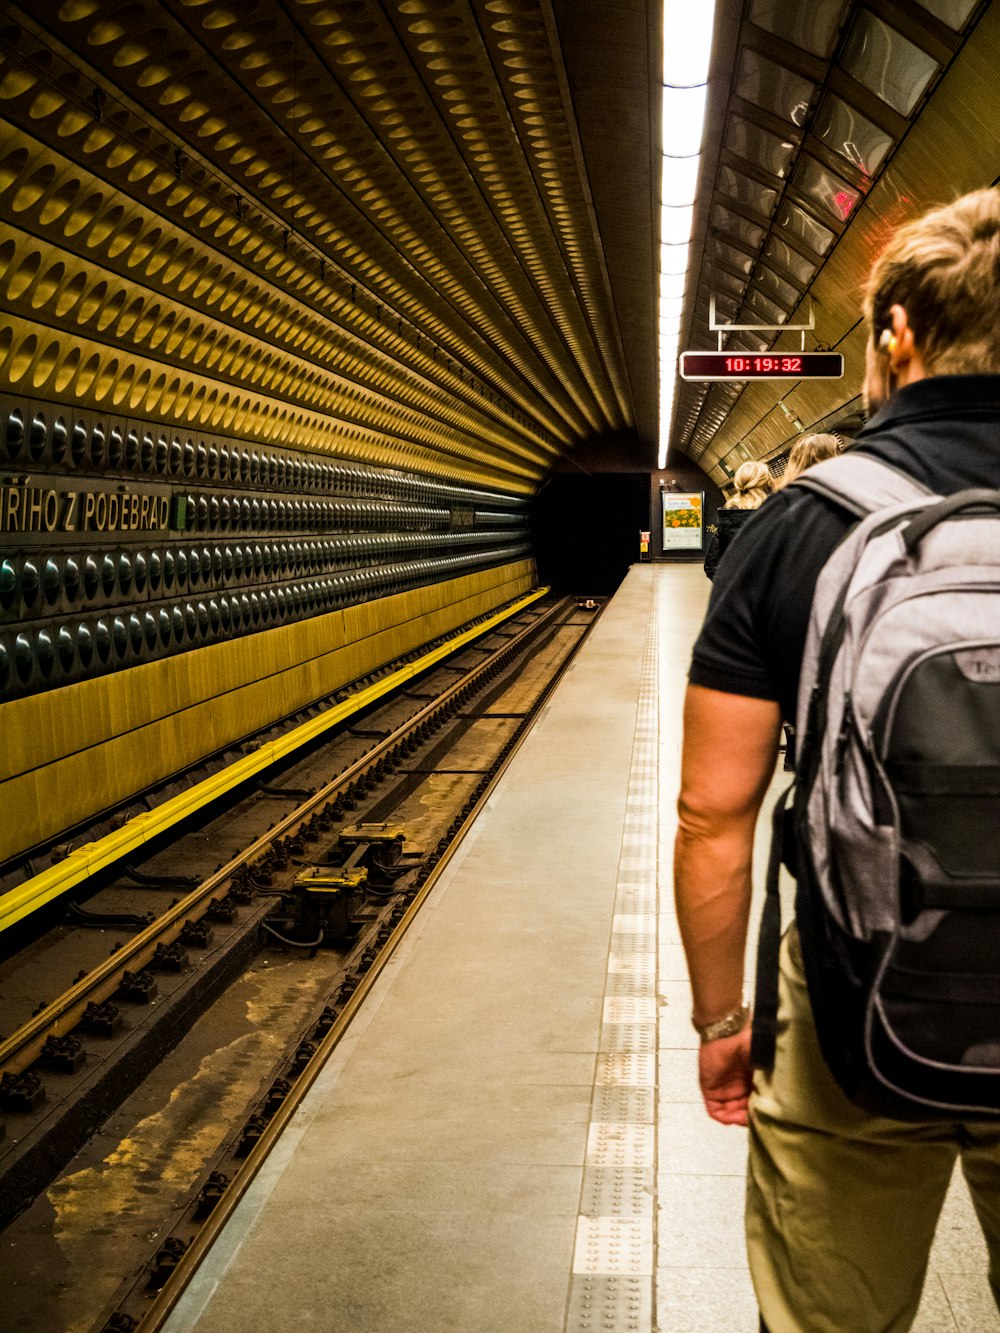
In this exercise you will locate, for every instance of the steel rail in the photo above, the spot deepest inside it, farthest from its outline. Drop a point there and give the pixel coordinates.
(24, 1046)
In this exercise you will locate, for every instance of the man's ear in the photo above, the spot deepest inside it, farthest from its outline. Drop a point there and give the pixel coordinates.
(906, 364)
(900, 344)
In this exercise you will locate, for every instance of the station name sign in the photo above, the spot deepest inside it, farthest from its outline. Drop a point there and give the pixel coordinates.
(42, 509)
(713, 366)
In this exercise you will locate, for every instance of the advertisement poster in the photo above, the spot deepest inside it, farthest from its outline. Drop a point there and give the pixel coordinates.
(683, 520)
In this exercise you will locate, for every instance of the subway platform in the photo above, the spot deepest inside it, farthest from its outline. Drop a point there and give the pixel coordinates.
(510, 1139)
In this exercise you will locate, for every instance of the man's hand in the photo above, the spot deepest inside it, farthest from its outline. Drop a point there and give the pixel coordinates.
(725, 1076)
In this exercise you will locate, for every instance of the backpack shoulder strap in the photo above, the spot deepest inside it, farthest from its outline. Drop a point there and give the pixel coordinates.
(860, 484)
(764, 1032)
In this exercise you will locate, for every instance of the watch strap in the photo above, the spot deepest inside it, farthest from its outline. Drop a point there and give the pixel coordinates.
(727, 1026)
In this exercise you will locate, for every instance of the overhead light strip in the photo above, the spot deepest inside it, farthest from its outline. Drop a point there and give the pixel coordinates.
(687, 48)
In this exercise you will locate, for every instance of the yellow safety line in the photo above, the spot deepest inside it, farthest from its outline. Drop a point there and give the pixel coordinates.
(85, 861)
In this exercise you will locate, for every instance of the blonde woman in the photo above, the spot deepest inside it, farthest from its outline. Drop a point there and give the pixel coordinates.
(753, 485)
(805, 453)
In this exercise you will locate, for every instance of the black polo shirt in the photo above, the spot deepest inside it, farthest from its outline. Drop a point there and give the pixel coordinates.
(943, 431)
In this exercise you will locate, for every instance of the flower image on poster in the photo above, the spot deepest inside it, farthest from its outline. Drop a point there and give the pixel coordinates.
(683, 520)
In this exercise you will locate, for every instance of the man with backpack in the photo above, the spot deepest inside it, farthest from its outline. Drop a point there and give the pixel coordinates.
(877, 1043)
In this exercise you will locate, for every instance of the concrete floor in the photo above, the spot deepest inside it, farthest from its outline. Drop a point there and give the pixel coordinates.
(511, 1138)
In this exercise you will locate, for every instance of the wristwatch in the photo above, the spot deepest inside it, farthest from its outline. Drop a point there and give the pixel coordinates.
(733, 1022)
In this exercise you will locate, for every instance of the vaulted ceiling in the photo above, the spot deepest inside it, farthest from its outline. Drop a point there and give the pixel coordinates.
(424, 233)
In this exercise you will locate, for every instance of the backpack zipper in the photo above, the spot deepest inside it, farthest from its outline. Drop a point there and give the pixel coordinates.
(847, 725)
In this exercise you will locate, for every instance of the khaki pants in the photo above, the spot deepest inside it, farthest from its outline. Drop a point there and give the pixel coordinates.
(842, 1205)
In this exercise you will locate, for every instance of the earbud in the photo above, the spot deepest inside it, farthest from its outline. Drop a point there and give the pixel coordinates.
(887, 342)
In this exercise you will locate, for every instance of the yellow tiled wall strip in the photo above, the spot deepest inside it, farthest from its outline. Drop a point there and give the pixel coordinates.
(71, 753)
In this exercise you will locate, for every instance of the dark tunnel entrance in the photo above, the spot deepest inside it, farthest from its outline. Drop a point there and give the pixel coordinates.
(585, 529)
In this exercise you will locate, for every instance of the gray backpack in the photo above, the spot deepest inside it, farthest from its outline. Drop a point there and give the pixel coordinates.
(894, 832)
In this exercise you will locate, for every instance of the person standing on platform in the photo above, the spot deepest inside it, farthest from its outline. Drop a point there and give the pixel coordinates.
(753, 485)
(842, 1203)
(806, 453)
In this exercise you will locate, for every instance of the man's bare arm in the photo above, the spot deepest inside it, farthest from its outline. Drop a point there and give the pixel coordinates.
(730, 745)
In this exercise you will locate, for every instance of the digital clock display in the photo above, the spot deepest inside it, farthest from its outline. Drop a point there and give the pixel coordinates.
(762, 366)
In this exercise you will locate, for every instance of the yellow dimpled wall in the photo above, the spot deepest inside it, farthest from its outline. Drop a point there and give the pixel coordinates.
(73, 753)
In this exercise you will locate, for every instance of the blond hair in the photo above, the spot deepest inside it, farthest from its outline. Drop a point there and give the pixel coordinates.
(753, 484)
(807, 451)
(944, 270)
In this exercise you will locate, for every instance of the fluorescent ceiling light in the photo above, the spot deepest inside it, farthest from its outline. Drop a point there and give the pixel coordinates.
(674, 258)
(683, 120)
(680, 180)
(688, 26)
(687, 41)
(675, 226)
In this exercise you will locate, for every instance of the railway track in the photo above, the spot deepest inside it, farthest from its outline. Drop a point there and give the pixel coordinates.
(333, 882)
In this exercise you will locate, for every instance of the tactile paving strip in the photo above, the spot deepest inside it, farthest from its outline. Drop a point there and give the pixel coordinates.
(630, 943)
(635, 875)
(644, 962)
(629, 1008)
(625, 1193)
(631, 1068)
(624, 984)
(634, 923)
(611, 1285)
(620, 1162)
(640, 902)
(616, 1104)
(635, 840)
(636, 899)
(614, 1246)
(628, 1037)
(610, 1305)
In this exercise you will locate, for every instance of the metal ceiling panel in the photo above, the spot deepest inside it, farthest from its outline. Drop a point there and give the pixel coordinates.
(887, 111)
